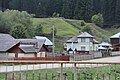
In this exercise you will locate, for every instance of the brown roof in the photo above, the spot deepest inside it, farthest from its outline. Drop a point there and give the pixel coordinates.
(81, 35)
(74, 39)
(85, 34)
(7, 42)
(31, 45)
(5, 36)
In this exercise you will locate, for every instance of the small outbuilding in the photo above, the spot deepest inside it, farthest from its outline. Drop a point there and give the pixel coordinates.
(105, 48)
(115, 41)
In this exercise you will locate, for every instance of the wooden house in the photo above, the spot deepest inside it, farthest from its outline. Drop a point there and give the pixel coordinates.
(11, 47)
(115, 41)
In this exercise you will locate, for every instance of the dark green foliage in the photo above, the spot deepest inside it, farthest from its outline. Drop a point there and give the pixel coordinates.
(4, 26)
(117, 11)
(82, 22)
(19, 31)
(98, 19)
(39, 30)
(12, 20)
(78, 9)
(87, 28)
(55, 14)
(83, 9)
(68, 8)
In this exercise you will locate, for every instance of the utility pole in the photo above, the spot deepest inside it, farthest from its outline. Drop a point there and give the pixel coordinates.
(53, 50)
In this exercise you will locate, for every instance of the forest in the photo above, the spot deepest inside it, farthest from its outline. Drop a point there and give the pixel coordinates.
(72, 9)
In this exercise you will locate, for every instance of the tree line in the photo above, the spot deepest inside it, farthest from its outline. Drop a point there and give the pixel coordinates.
(73, 9)
(19, 24)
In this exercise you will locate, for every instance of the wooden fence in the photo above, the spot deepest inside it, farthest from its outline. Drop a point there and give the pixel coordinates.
(57, 58)
(58, 70)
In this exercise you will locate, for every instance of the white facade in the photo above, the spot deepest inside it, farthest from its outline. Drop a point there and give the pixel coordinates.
(41, 54)
(83, 46)
(12, 55)
(83, 42)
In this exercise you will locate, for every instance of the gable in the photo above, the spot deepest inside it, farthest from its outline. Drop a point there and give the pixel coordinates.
(44, 49)
(15, 49)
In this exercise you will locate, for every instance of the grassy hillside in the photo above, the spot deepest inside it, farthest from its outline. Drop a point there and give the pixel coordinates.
(66, 28)
(63, 28)
(95, 30)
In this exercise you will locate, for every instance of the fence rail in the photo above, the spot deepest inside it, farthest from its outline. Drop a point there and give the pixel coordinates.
(58, 70)
(57, 58)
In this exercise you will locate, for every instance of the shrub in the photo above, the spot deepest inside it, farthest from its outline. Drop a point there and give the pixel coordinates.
(82, 22)
(98, 19)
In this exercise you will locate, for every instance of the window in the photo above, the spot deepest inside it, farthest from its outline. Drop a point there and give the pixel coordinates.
(83, 48)
(83, 40)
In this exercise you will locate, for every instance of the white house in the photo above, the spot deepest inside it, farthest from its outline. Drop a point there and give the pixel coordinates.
(47, 41)
(105, 48)
(83, 43)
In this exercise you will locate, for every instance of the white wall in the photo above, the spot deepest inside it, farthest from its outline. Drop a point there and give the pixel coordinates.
(29, 55)
(87, 44)
(69, 45)
(96, 47)
(86, 40)
(12, 55)
(41, 54)
(3, 56)
(21, 54)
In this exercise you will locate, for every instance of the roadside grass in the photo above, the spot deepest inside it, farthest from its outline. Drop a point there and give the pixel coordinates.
(110, 72)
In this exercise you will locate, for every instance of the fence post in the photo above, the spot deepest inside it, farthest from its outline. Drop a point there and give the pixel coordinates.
(61, 71)
(75, 74)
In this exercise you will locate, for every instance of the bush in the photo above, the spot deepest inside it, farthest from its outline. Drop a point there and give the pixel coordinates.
(39, 30)
(10, 19)
(98, 19)
(55, 14)
(87, 28)
(82, 22)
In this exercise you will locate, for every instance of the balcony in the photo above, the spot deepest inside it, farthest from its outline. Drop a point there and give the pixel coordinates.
(59, 70)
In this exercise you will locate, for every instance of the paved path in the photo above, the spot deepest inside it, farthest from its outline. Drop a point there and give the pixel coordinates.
(49, 66)
(108, 59)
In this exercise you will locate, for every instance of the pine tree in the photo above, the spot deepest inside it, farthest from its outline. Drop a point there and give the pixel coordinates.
(84, 9)
(117, 17)
(68, 8)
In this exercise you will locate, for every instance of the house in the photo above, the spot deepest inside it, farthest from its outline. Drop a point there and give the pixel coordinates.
(11, 47)
(7, 43)
(82, 43)
(33, 47)
(105, 48)
(115, 41)
(48, 43)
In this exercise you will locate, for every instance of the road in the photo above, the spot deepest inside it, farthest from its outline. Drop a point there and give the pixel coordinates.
(108, 59)
(49, 66)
